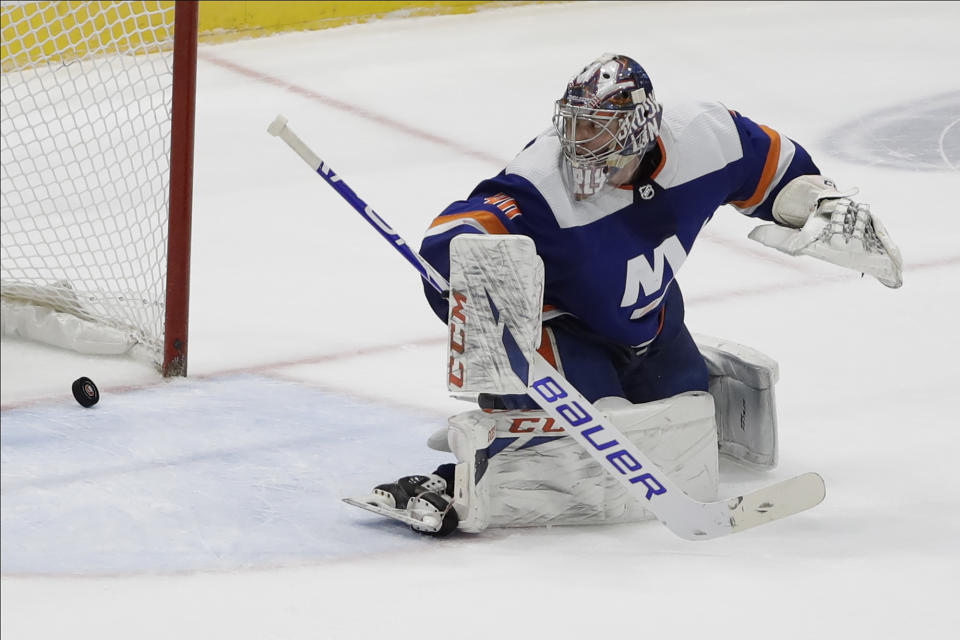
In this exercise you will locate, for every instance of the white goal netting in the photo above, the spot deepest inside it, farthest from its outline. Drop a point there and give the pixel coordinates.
(86, 94)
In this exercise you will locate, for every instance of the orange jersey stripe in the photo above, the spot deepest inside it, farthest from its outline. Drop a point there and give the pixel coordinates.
(487, 220)
(769, 170)
(546, 348)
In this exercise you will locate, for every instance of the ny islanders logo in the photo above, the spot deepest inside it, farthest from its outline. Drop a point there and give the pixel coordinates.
(641, 274)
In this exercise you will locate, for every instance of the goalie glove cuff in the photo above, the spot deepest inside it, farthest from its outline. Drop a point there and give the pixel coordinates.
(803, 196)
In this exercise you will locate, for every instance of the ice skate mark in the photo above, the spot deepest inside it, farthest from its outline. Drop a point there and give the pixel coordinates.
(943, 152)
(170, 464)
(911, 136)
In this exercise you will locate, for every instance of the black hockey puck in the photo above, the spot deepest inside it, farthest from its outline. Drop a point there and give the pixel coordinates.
(86, 392)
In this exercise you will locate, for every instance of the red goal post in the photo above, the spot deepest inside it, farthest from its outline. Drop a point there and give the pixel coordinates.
(97, 175)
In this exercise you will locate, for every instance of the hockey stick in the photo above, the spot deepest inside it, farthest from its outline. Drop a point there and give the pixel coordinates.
(279, 128)
(686, 517)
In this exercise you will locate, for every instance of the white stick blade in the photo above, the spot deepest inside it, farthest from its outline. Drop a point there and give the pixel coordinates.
(776, 501)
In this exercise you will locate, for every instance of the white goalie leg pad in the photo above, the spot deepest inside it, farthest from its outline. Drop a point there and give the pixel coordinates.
(742, 384)
(532, 474)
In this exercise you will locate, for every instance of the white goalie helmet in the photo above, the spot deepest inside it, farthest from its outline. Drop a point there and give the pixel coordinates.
(607, 119)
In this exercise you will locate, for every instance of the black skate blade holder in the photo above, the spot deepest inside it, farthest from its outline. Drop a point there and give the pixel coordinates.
(399, 514)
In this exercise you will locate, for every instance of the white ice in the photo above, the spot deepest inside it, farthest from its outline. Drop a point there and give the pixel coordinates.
(207, 507)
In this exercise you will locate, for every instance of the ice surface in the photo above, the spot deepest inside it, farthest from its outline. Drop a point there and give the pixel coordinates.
(190, 476)
(207, 507)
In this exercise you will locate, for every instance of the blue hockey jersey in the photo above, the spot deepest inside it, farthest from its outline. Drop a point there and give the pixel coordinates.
(609, 260)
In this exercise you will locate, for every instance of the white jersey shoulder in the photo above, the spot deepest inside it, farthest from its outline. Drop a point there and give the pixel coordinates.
(697, 139)
(539, 164)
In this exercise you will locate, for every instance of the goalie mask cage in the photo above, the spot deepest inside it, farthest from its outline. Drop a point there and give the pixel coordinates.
(97, 164)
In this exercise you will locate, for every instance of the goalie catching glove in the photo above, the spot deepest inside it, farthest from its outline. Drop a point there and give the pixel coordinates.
(820, 221)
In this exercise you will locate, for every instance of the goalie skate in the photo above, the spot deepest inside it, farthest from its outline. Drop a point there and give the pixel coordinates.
(418, 501)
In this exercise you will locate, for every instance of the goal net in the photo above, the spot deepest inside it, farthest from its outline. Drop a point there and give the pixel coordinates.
(97, 136)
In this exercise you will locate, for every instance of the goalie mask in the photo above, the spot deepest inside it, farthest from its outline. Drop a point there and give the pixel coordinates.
(607, 119)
